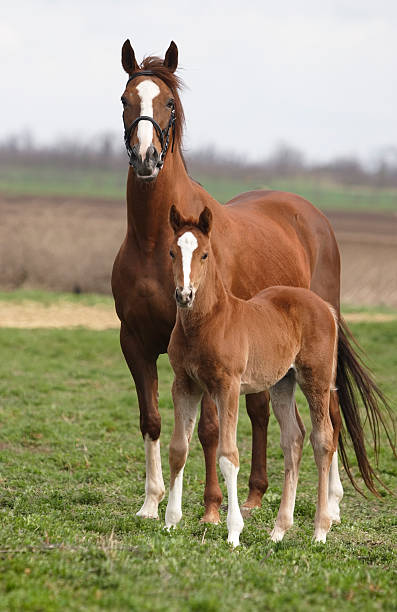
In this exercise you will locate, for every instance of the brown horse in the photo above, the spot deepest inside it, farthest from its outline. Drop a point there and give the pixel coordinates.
(225, 346)
(266, 237)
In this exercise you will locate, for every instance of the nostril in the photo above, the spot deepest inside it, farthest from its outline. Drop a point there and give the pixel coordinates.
(190, 294)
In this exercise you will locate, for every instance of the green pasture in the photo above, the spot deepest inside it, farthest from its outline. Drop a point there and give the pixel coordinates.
(48, 180)
(72, 478)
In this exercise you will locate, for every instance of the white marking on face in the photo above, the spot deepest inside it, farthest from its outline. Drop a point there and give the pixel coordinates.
(147, 91)
(187, 243)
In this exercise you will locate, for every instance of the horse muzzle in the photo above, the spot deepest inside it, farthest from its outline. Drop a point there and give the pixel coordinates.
(146, 169)
(184, 297)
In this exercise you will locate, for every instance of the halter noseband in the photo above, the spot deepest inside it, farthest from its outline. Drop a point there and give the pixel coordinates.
(163, 135)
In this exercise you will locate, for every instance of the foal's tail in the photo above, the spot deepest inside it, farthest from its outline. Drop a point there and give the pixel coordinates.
(354, 381)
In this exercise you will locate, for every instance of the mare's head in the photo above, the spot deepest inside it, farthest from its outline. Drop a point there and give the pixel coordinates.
(153, 114)
(190, 252)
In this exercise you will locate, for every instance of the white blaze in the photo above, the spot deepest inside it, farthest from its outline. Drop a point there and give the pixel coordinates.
(187, 243)
(147, 91)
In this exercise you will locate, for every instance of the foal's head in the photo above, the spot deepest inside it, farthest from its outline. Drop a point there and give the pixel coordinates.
(153, 114)
(190, 252)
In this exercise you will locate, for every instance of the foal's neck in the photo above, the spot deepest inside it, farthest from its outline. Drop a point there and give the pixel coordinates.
(148, 204)
(211, 298)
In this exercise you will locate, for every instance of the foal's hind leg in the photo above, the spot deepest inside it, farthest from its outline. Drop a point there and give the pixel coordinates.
(186, 397)
(291, 441)
(335, 489)
(322, 439)
(258, 411)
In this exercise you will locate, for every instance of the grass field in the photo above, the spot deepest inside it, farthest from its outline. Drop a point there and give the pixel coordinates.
(72, 478)
(47, 180)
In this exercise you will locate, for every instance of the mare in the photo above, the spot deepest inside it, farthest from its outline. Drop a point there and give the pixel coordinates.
(225, 346)
(266, 238)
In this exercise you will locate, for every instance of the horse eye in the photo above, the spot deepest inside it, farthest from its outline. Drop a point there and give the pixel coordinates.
(172, 254)
(170, 103)
(124, 102)
(204, 256)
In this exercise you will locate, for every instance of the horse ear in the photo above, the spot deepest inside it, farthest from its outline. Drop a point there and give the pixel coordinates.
(171, 57)
(176, 220)
(128, 60)
(205, 221)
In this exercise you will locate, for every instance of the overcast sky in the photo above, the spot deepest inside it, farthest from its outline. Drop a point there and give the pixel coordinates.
(319, 75)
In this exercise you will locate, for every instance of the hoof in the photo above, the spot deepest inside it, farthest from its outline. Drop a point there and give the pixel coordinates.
(320, 537)
(334, 512)
(147, 515)
(254, 500)
(211, 516)
(234, 539)
(277, 534)
(246, 511)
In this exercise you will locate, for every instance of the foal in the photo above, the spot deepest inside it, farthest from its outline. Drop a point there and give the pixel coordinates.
(227, 346)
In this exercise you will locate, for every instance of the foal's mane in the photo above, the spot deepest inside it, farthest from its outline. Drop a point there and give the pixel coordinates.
(175, 84)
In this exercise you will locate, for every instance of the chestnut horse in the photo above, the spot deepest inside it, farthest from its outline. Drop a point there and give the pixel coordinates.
(225, 346)
(266, 237)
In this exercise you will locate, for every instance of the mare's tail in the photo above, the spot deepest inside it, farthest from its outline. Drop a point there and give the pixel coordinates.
(354, 381)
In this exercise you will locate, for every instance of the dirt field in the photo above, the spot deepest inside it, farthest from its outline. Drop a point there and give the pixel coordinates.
(67, 244)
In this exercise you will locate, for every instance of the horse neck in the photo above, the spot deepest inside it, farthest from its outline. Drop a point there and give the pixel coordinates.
(148, 204)
(211, 297)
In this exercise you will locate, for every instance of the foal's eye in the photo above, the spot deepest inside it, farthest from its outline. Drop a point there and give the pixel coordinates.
(172, 254)
(204, 256)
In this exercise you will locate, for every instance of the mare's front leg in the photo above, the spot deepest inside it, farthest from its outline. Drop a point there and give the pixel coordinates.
(227, 402)
(291, 441)
(257, 405)
(186, 396)
(208, 432)
(144, 372)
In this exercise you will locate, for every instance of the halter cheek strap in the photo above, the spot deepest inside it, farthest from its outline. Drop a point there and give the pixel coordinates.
(163, 135)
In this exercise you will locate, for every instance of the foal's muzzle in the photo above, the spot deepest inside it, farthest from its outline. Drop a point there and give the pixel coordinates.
(146, 169)
(184, 297)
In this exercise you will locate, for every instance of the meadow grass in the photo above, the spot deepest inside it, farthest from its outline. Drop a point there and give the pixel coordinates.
(48, 180)
(72, 479)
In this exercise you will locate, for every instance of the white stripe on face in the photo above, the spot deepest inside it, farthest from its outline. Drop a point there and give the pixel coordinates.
(147, 91)
(187, 243)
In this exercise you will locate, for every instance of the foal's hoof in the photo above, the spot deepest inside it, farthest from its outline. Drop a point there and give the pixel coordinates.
(211, 516)
(277, 534)
(147, 515)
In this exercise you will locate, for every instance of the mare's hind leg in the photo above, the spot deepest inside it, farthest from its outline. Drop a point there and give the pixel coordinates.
(258, 411)
(144, 372)
(186, 396)
(291, 441)
(208, 432)
(335, 489)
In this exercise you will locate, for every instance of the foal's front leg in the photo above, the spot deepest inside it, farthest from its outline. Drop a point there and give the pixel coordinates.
(186, 396)
(227, 403)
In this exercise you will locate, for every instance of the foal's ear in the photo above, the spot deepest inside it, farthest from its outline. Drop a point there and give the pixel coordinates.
(171, 57)
(176, 220)
(128, 60)
(205, 221)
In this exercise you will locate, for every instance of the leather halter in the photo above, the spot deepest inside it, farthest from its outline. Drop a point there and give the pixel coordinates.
(163, 135)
